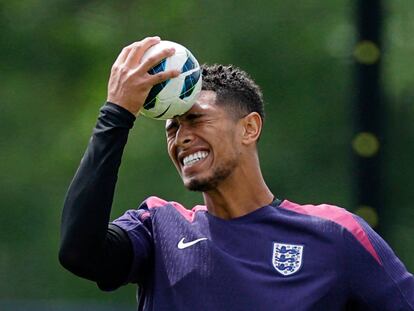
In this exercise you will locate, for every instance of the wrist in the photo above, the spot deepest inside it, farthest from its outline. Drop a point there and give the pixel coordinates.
(117, 115)
(129, 105)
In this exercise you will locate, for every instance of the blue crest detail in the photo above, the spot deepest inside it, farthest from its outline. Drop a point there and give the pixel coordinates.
(287, 258)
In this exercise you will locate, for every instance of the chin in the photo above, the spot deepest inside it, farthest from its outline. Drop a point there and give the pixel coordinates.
(199, 184)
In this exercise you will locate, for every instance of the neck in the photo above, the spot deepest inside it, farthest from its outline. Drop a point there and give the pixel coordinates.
(241, 193)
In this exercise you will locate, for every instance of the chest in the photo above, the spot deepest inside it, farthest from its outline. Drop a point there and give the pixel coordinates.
(248, 266)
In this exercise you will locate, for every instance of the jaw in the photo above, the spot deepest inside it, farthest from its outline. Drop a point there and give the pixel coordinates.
(196, 174)
(211, 179)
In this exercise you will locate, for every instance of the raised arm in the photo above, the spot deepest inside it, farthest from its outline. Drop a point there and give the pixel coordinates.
(89, 248)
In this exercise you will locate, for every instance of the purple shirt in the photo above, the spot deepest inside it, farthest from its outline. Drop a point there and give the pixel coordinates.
(282, 256)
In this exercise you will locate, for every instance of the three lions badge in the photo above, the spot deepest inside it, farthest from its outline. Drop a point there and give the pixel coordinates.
(287, 258)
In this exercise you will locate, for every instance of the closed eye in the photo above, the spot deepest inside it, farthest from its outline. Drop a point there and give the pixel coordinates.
(171, 125)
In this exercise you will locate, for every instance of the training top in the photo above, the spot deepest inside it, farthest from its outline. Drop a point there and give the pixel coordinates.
(280, 257)
(283, 256)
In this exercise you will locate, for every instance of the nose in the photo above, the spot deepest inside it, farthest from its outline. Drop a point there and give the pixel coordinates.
(184, 136)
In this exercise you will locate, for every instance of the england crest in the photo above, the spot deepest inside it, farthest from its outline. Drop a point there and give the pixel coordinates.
(287, 258)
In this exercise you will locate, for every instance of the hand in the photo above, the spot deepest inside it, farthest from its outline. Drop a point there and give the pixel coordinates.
(130, 82)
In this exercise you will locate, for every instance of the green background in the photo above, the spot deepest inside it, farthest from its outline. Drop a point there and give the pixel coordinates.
(55, 63)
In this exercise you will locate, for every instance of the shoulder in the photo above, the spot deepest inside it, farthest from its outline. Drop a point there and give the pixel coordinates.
(328, 212)
(155, 204)
(340, 217)
(156, 207)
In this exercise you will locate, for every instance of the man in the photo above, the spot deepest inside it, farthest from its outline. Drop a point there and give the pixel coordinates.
(244, 249)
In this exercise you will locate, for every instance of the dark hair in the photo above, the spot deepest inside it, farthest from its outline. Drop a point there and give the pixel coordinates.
(234, 89)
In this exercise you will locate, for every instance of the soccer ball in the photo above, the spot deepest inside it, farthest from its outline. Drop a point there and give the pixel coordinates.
(175, 96)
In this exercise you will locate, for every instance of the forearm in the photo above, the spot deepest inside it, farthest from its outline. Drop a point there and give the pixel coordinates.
(87, 207)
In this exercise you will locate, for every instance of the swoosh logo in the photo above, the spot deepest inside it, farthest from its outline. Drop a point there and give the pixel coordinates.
(182, 244)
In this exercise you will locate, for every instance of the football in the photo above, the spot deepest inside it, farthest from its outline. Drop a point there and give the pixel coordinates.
(175, 96)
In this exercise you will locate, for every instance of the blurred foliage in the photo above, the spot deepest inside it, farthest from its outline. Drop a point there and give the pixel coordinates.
(56, 57)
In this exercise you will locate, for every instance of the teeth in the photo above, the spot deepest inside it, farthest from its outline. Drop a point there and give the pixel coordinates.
(194, 158)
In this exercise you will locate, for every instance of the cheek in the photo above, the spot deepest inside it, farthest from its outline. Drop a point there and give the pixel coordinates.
(170, 150)
(231, 135)
(225, 147)
(234, 144)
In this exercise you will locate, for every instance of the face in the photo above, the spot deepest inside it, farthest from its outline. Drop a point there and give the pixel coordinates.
(203, 144)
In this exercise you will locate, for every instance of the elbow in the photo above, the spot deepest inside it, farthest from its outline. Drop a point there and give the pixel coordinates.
(69, 259)
(76, 262)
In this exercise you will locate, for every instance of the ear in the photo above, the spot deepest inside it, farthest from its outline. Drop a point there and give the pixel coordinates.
(252, 127)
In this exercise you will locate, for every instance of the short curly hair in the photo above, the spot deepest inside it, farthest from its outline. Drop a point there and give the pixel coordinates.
(234, 88)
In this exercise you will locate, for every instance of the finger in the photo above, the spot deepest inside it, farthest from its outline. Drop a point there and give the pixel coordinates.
(122, 56)
(155, 59)
(163, 76)
(138, 49)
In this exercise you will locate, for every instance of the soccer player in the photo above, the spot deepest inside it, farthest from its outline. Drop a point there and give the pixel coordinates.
(243, 249)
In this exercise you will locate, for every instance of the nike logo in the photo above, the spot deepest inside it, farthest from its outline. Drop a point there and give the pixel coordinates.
(182, 244)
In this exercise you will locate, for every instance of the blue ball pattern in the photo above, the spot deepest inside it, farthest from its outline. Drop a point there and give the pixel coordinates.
(191, 80)
(150, 100)
(188, 85)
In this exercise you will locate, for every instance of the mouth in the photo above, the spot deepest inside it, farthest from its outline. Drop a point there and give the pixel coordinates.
(193, 158)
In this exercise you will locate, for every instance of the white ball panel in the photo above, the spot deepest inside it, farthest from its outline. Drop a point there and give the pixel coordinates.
(163, 44)
(172, 89)
(176, 61)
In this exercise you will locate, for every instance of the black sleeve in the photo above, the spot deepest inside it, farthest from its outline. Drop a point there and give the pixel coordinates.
(89, 247)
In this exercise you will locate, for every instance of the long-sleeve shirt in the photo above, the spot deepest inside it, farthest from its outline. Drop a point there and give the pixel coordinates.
(283, 256)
